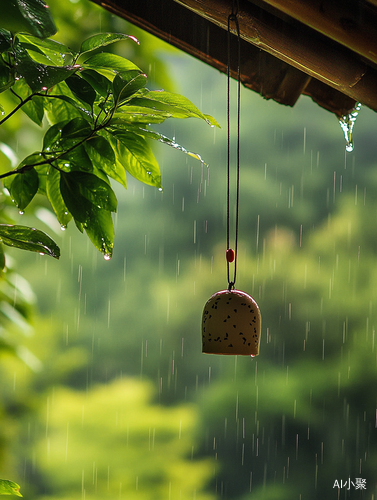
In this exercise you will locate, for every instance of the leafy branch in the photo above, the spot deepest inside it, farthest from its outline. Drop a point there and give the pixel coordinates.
(99, 112)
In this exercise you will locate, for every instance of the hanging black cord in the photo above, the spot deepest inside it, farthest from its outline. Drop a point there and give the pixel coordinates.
(233, 18)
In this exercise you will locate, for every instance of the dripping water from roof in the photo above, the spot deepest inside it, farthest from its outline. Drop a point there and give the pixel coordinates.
(347, 123)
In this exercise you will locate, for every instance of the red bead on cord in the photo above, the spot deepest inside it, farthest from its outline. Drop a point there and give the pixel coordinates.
(230, 255)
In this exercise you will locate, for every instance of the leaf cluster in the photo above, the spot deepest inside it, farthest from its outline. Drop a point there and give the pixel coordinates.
(99, 112)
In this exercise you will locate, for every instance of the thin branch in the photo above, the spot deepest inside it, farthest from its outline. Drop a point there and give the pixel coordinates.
(19, 106)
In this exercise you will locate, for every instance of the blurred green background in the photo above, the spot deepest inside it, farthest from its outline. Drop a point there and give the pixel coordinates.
(110, 395)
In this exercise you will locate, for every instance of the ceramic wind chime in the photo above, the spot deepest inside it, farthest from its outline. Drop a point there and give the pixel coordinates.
(231, 321)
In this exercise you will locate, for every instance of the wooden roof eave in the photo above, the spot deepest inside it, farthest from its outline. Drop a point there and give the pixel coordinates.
(299, 46)
(279, 60)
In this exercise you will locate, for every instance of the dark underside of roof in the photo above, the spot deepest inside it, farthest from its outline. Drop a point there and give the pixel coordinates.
(326, 49)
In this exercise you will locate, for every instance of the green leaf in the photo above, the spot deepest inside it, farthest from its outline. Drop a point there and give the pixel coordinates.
(128, 83)
(137, 158)
(176, 105)
(78, 205)
(64, 107)
(100, 83)
(6, 77)
(111, 63)
(55, 197)
(90, 187)
(103, 39)
(100, 230)
(32, 16)
(2, 257)
(5, 40)
(9, 488)
(151, 134)
(42, 77)
(34, 107)
(81, 89)
(51, 140)
(55, 52)
(96, 221)
(103, 157)
(211, 121)
(42, 174)
(28, 238)
(77, 128)
(138, 114)
(77, 158)
(24, 187)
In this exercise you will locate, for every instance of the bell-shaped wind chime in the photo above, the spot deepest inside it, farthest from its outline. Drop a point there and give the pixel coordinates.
(231, 321)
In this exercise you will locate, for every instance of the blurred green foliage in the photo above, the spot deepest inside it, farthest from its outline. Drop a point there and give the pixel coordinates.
(127, 445)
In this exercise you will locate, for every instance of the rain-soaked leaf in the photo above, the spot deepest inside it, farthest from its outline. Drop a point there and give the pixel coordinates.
(176, 105)
(156, 136)
(79, 206)
(81, 89)
(41, 76)
(100, 230)
(100, 83)
(103, 158)
(32, 16)
(77, 128)
(32, 108)
(112, 63)
(139, 114)
(137, 157)
(24, 187)
(103, 39)
(128, 83)
(96, 221)
(8, 487)
(5, 40)
(63, 107)
(28, 238)
(78, 159)
(87, 186)
(55, 197)
(2, 258)
(53, 51)
(6, 76)
(52, 137)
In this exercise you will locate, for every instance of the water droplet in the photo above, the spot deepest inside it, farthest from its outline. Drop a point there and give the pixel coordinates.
(21, 212)
(160, 189)
(107, 256)
(347, 123)
(63, 227)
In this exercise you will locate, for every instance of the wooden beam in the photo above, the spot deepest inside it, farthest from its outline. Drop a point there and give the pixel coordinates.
(260, 71)
(353, 25)
(298, 46)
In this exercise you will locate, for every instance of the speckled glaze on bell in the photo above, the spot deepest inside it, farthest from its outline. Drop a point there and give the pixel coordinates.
(231, 324)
